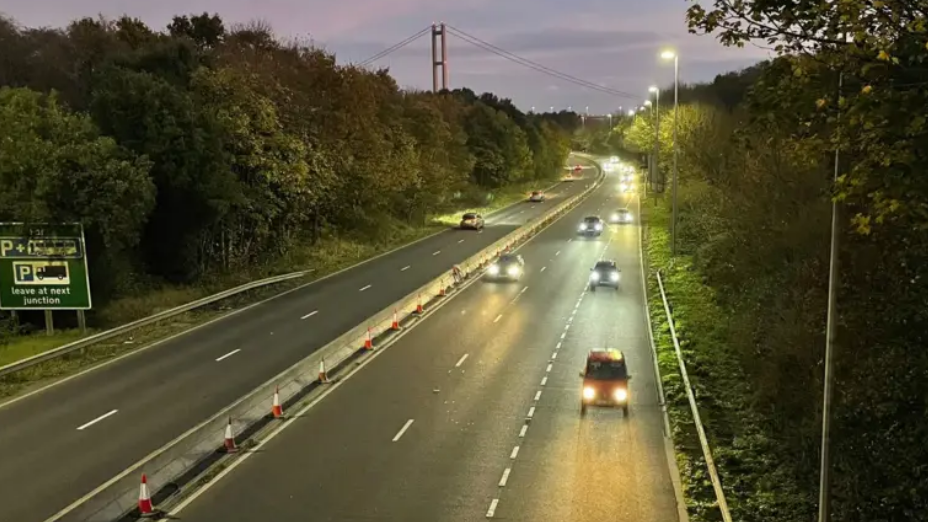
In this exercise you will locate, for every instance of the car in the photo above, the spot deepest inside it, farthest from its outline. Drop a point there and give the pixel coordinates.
(537, 196)
(509, 267)
(591, 226)
(622, 215)
(605, 380)
(472, 221)
(568, 177)
(605, 273)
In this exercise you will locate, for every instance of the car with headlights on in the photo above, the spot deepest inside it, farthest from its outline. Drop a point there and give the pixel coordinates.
(591, 226)
(509, 267)
(537, 196)
(604, 273)
(620, 216)
(605, 380)
(472, 221)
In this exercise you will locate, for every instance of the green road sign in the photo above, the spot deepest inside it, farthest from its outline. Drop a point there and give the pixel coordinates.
(43, 267)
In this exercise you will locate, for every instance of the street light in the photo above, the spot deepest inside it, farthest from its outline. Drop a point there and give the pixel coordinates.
(631, 112)
(670, 55)
(657, 131)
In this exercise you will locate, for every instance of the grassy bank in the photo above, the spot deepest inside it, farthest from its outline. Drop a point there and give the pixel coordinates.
(325, 257)
(756, 486)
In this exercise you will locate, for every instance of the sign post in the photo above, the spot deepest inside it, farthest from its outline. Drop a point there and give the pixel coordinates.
(43, 267)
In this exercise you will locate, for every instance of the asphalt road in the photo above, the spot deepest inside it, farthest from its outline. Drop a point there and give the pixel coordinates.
(427, 430)
(60, 444)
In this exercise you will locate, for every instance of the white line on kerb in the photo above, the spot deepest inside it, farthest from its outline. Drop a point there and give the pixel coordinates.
(405, 268)
(492, 509)
(310, 314)
(523, 431)
(364, 288)
(505, 477)
(435, 253)
(461, 361)
(402, 430)
(537, 395)
(515, 453)
(98, 419)
(544, 380)
(498, 317)
(531, 412)
(230, 354)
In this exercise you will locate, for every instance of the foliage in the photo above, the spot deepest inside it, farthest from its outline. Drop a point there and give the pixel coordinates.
(750, 284)
(198, 152)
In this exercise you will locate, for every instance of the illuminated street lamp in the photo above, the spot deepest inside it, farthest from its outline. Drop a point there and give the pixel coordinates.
(657, 131)
(631, 112)
(670, 55)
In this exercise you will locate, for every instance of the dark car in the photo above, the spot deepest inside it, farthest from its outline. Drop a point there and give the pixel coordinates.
(471, 221)
(622, 215)
(605, 273)
(605, 380)
(591, 226)
(509, 267)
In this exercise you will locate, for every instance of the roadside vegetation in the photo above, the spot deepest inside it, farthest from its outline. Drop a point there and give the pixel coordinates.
(200, 157)
(749, 284)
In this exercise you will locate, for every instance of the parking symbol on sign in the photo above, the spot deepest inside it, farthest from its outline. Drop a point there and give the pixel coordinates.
(24, 273)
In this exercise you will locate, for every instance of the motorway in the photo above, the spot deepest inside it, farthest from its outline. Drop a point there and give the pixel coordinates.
(61, 443)
(474, 413)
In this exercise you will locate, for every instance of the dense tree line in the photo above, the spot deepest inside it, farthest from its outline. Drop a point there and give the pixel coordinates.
(200, 149)
(757, 162)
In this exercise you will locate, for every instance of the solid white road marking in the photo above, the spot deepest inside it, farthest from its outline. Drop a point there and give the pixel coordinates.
(461, 361)
(492, 509)
(435, 253)
(515, 453)
(538, 396)
(402, 430)
(498, 317)
(364, 288)
(310, 314)
(98, 419)
(230, 354)
(405, 268)
(523, 431)
(505, 477)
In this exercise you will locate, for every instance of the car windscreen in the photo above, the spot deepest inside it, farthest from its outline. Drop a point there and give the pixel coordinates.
(469, 216)
(591, 219)
(606, 371)
(623, 211)
(507, 259)
(604, 266)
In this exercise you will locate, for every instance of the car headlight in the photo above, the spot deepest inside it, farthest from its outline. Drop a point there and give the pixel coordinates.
(513, 270)
(589, 393)
(623, 187)
(583, 226)
(614, 276)
(615, 217)
(494, 269)
(599, 226)
(628, 217)
(621, 394)
(594, 276)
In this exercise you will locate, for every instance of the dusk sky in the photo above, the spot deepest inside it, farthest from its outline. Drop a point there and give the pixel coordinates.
(614, 43)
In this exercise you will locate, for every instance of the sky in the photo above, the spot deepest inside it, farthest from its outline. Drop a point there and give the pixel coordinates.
(610, 43)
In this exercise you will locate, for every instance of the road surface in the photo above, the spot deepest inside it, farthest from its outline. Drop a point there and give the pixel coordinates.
(475, 412)
(62, 443)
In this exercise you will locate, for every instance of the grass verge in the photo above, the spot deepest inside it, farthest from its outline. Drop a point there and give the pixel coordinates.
(323, 258)
(757, 487)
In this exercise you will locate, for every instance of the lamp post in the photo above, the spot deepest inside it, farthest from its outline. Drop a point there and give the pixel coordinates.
(671, 55)
(657, 130)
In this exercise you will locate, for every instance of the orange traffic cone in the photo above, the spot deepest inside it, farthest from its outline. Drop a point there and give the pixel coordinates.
(277, 410)
(145, 507)
(441, 287)
(323, 375)
(229, 439)
(396, 321)
(369, 343)
(419, 309)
